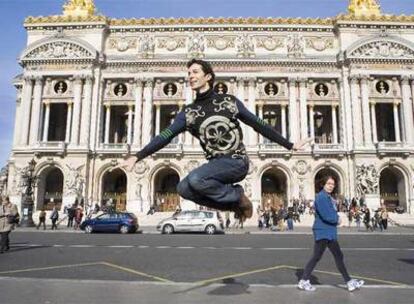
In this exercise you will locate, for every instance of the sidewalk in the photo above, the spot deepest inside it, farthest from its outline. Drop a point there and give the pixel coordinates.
(393, 230)
(34, 290)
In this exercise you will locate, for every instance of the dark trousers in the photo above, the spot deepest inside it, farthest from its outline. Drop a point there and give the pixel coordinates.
(5, 241)
(211, 184)
(70, 221)
(42, 221)
(54, 226)
(318, 250)
(385, 224)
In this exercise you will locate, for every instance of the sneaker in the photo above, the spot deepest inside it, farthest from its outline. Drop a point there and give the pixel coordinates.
(306, 285)
(354, 284)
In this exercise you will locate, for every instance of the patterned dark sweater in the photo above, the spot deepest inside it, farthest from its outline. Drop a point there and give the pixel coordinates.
(214, 120)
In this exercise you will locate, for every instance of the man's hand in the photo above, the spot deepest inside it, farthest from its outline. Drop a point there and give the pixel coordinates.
(129, 163)
(302, 143)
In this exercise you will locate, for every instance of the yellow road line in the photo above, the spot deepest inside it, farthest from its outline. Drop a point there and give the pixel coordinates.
(354, 276)
(49, 268)
(136, 272)
(240, 274)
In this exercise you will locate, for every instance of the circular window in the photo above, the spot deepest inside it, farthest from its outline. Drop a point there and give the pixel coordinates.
(120, 89)
(170, 89)
(321, 89)
(60, 87)
(382, 87)
(220, 88)
(271, 89)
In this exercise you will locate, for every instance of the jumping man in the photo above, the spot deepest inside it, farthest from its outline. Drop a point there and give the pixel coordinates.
(214, 120)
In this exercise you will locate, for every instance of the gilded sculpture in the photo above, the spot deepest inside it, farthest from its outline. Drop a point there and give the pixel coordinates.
(79, 8)
(364, 8)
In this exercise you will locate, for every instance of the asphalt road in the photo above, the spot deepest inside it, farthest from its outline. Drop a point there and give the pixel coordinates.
(249, 268)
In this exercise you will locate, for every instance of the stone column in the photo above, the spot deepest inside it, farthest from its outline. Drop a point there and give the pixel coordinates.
(396, 122)
(356, 112)
(346, 105)
(46, 122)
(251, 106)
(107, 122)
(77, 100)
(293, 112)
(365, 111)
(148, 108)
(86, 112)
(311, 121)
(261, 139)
(68, 122)
(374, 123)
(334, 125)
(284, 134)
(138, 112)
(303, 91)
(129, 138)
(407, 111)
(26, 106)
(157, 119)
(37, 103)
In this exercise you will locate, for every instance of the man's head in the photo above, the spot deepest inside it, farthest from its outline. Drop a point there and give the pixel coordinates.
(200, 75)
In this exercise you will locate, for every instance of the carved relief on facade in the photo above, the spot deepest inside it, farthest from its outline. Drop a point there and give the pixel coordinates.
(270, 43)
(4, 173)
(140, 168)
(245, 46)
(367, 180)
(74, 181)
(147, 46)
(118, 89)
(57, 88)
(301, 167)
(171, 43)
(122, 44)
(295, 44)
(383, 49)
(319, 44)
(221, 42)
(17, 184)
(59, 50)
(196, 46)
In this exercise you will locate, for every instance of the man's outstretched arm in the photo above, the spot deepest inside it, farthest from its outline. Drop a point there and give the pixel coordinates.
(164, 138)
(261, 127)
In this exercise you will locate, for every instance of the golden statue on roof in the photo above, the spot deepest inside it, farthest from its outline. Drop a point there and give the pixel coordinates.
(79, 8)
(360, 8)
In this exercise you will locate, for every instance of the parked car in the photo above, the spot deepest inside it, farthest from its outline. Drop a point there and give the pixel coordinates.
(123, 222)
(209, 222)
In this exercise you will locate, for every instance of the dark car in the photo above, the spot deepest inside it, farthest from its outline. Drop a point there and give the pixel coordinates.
(123, 222)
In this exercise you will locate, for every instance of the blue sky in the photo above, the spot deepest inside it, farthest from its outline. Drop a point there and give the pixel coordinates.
(13, 38)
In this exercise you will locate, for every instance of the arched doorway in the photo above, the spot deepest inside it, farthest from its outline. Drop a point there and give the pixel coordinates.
(166, 197)
(392, 188)
(274, 189)
(114, 188)
(319, 181)
(50, 189)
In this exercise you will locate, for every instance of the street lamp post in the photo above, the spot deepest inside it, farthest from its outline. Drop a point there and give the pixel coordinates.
(27, 205)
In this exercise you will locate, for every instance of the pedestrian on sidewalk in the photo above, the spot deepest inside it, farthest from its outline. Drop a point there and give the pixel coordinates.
(325, 235)
(54, 216)
(42, 219)
(8, 214)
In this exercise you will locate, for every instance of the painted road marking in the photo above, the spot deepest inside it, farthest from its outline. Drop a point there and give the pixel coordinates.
(136, 272)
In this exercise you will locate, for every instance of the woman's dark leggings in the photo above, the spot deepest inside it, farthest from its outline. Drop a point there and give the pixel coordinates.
(318, 250)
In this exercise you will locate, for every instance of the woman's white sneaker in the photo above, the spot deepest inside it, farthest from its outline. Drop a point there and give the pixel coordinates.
(306, 285)
(354, 284)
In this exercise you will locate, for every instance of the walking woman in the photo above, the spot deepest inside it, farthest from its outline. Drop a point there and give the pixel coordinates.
(325, 234)
(8, 212)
